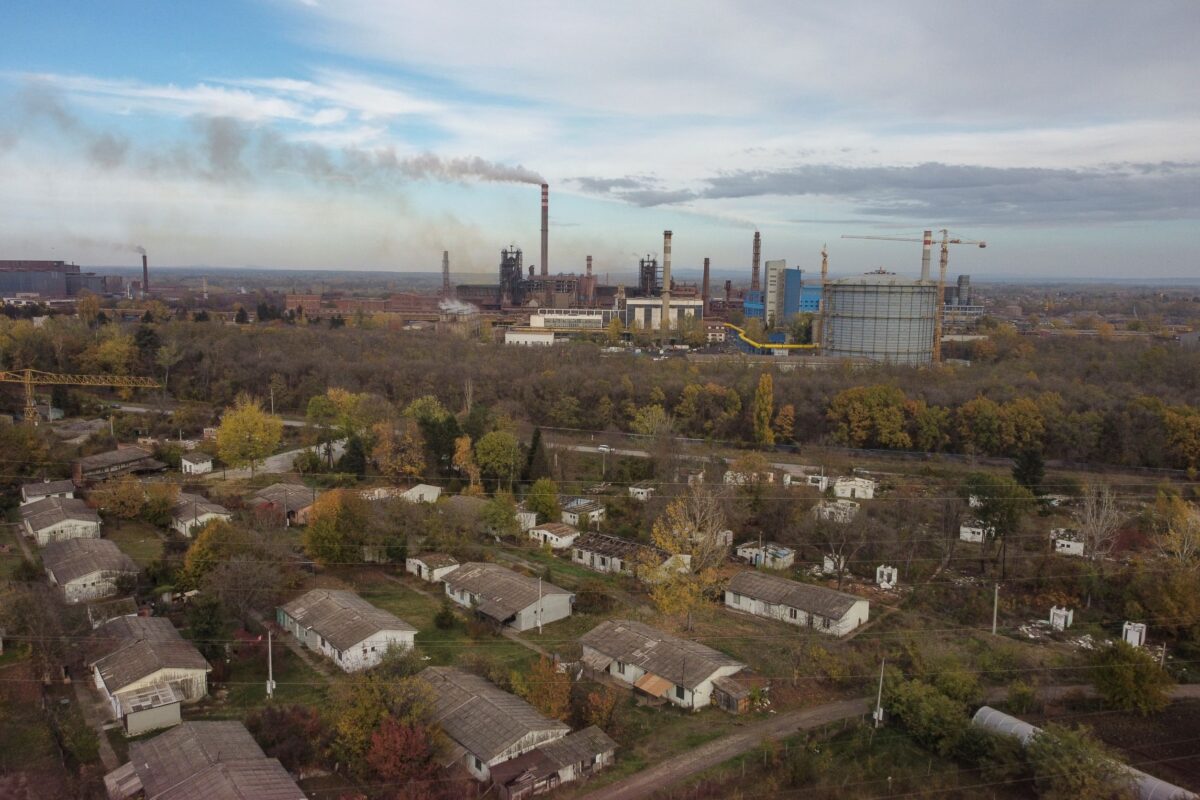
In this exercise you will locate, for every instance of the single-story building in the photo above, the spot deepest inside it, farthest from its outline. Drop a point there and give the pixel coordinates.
(216, 760)
(192, 512)
(1067, 542)
(840, 510)
(818, 482)
(733, 478)
(526, 517)
(32, 492)
(345, 628)
(972, 530)
(854, 488)
(766, 554)
(292, 501)
(148, 708)
(642, 491)
(54, 519)
(488, 725)
(612, 554)
(196, 463)
(432, 567)
(422, 493)
(529, 337)
(582, 513)
(681, 671)
(86, 569)
(506, 597)
(556, 534)
(133, 653)
(800, 604)
(548, 766)
(114, 463)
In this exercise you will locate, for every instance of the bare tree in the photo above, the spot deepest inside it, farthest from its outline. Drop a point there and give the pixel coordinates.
(1098, 521)
(841, 542)
(244, 585)
(1181, 541)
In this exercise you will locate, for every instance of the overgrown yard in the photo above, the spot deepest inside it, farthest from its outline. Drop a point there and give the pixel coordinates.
(139, 540)
(245, 688)
(10, 551)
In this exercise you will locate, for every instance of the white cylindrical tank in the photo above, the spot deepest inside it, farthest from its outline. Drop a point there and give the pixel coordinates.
(881, 317)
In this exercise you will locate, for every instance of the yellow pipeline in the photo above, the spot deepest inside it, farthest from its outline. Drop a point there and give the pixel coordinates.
(768, 345)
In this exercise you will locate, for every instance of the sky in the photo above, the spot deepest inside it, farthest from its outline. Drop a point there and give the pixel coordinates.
(373, 134)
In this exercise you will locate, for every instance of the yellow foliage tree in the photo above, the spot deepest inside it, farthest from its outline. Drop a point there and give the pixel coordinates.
(399, 452)
(464, 462)
(248, 434)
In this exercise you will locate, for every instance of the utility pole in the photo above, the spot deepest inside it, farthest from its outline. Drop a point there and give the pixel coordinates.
(538, 611)
(995, 608)
(270, 668)
(878, 715)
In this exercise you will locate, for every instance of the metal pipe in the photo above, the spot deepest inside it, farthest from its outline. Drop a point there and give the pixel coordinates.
(754, 283)
(666, 291)
(545, 229)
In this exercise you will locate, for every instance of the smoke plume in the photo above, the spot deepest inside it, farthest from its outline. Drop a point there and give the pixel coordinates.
(457, 307)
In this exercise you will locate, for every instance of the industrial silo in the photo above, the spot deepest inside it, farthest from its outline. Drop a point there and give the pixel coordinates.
(879, 316)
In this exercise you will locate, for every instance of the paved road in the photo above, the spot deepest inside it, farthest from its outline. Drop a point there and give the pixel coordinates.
(137, 408)
(280, 462)
(649, 781)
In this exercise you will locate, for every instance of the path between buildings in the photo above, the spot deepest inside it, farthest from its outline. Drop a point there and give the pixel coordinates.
(91, 714)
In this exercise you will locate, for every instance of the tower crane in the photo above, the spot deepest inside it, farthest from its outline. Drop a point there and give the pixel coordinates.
(32, 377)
(943, 262)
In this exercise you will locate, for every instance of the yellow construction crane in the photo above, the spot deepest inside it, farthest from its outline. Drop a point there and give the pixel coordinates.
(944, 261)
(32, 377)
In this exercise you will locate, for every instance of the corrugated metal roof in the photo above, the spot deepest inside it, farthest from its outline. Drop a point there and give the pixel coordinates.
(436, 560)
(191, 507)
(127, 649)
(801, 596)
(681, 661)
(484, 719)
(113, 458)
(71, 559)
(48, 511)
(290, 497)
(502, 593)
(341, 617)
(43, 488)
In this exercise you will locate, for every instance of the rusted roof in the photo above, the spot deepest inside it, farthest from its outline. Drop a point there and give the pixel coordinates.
(484, 719)
(801, 596)
(681, 661)
(72, 559)
(341, 617)
(615, 547)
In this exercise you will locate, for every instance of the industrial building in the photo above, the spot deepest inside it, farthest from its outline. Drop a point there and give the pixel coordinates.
(880, 316)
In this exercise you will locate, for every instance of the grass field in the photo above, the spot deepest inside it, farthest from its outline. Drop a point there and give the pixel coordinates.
(139, 540)
(295, 682)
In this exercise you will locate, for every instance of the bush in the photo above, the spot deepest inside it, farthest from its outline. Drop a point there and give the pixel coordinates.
(1022, 698)
(934, 720)
(445, 619)
(1129, 678)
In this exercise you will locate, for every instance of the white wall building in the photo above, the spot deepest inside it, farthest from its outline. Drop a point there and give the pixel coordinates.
(422, 493)
(431, 567)
(836, 510)
(771, 555)
(580, 512)
(506, 597)
(345, 628)
(32, 492)
(192, 512)
(54, 519)
(799, 604)
(86, 569)
(647, 311)
(973, 530)
(854, 488)
(195, 463)
(1067, 542)
(556, 534)
(529, 337)
(641, 491)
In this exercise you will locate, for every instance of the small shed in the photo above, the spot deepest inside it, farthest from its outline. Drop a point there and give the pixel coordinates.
(195, 463)
(148, 708)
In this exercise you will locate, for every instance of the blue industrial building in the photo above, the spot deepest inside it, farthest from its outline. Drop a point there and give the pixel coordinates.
(798, 298)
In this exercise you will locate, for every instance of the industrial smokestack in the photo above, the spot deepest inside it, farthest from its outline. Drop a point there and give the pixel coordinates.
(545, 229)
(666, 292)
(926, 249)
(728, 291)
(145, 277)
(704, 286)
(754, 285)
(445, 273)
(589, 266)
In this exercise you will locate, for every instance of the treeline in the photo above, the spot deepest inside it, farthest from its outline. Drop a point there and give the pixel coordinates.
(1126, 403)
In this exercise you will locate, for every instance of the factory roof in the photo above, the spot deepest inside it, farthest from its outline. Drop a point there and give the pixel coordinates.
(72, 559)
(684, 662)
(48, 511)
(801, 596)
(482, 718)
(202, 761)
(879, 278)
(342, 617)
(502, 593)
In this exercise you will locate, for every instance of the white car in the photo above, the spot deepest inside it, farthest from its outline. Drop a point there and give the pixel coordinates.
(604, 448)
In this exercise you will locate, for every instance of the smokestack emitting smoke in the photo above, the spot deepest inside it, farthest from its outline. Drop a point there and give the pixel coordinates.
(446, 273)
(545, 228)
(666, 292)
(754, 286)
(145, 277)
(926, 248)
(704, 286)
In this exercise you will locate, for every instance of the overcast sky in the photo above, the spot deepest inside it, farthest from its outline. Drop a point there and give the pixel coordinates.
(372, 134)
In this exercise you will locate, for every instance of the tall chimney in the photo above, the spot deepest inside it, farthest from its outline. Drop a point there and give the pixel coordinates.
(704, 287)
(754, 285)
(589, 266)
(145, 277)
(926, 248)
(728, 291)
(445, 273)
(545, 229)
(666, 292)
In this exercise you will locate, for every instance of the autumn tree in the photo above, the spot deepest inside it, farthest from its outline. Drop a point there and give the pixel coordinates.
(543, 499)
(248, 434)
(120, 498)
(693, 525)
(1128, 678)
(500, 515)
(1180, 541)
(761, 411)
(650, 420)
(1001, 506)
(402, 752)
(87, 306)
(464, 462)
(293, 734)
(336, 528)
(160, 499)
(601, 708)
(359, 704)
(499, 456)
(245, 583)
(217, 541)
(399, 450)
(544, 688)
(785, 423)
(870, 416)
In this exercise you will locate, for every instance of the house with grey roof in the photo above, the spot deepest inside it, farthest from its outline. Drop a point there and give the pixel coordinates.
(131, 653)
(292, 501)
(86, 569)
(32, 492)
(53, 519)
(344, 628)
(800, 604)
(506, 597)
(487, 724)
(192, 512)
(431, 567)
(197, 462)
(556, 535)
(546, 767)
(683, 672)
(114, 463)
(216, 760)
